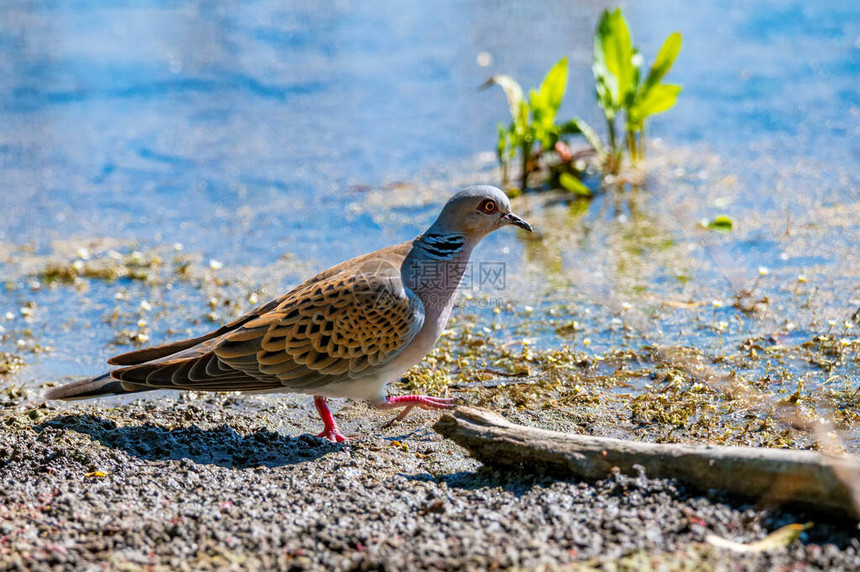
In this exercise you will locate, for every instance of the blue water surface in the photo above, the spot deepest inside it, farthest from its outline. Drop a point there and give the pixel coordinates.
(163, 118)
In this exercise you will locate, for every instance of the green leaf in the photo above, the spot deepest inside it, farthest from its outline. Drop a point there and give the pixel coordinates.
(613, 53)
(665, 58)
(573, 127)
(502, 144)
(513, 142)
(552, 88)
(512, 89)
(521, 123)
(636, 61)
(657, 100)
(574, 185)
(721, 224)
(605, 86)
(536, 102)
(545, 102)
(547, 136)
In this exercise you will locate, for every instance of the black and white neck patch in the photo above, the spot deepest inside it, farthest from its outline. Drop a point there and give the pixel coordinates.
(442, 246)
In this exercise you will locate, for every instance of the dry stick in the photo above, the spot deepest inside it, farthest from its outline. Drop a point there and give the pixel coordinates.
(815, 482)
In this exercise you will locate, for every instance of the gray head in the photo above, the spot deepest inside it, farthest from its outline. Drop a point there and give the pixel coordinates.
(475, 212)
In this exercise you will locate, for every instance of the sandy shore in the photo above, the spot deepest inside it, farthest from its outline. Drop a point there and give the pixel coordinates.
(227, 482)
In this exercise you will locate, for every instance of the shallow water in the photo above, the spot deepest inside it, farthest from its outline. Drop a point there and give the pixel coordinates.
(247, 132)
(165, 121)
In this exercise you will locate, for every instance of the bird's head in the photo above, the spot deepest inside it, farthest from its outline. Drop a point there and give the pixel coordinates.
(477, 211)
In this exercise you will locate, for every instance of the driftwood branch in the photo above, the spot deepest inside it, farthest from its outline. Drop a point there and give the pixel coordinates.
(804, 479)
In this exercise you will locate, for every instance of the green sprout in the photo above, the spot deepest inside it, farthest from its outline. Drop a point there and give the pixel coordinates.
(532, 121)
(721, 223)
(618, 80)
(621, 91)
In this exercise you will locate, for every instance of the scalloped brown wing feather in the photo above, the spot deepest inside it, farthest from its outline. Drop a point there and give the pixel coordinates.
(341, 324)
(395, 254)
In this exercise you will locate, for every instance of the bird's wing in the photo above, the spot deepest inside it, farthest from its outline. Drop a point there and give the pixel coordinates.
(341, 326)
(394, 253)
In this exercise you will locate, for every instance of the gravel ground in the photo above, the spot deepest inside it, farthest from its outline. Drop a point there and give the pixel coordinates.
(226, 482)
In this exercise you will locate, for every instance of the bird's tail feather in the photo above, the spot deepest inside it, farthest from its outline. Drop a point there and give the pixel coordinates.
(95, 387)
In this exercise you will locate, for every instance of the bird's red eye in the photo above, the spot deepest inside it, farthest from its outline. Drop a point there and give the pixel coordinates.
(487, 206)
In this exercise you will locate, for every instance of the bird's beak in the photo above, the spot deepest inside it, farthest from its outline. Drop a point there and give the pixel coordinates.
(511, 218)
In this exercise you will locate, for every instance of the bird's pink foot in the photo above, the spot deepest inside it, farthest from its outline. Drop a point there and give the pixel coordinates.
(333, 434)
(330, 429)
(408, 402)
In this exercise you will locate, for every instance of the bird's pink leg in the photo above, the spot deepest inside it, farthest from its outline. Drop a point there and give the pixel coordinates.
(410, 401)
(330, 430)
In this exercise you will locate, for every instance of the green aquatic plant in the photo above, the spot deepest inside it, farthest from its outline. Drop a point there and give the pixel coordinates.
(721, 223)
(620, 88)
(533, 129)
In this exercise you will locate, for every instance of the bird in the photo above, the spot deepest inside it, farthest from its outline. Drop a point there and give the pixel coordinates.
(345, 333)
